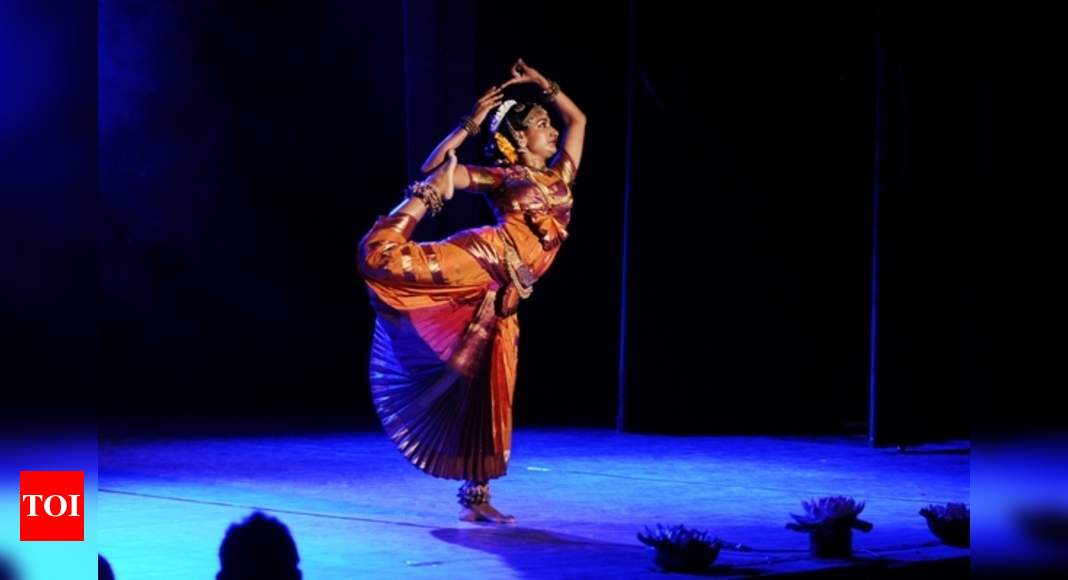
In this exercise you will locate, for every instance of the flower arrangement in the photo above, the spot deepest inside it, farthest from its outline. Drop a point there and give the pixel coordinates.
(951, 523)
(830, 522)
(679, 548)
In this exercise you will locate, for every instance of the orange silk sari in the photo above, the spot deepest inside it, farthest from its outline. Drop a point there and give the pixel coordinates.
(445, 348)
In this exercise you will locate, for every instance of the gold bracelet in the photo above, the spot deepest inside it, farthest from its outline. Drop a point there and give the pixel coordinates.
(469, 125)
(551, 92)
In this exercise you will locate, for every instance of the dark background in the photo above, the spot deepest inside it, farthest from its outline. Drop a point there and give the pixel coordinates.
(742, 168)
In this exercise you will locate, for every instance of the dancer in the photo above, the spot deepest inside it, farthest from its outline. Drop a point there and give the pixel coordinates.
(444, 353)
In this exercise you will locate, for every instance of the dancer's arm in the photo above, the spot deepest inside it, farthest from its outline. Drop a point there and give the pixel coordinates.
(574, 134)
(452, 141)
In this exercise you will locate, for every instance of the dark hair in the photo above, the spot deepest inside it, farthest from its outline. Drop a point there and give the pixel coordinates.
(103, 569)
(259, 547)
(7, 570)
(512, 122)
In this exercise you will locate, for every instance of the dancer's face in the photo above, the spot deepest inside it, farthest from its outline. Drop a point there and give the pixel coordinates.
(540, 134)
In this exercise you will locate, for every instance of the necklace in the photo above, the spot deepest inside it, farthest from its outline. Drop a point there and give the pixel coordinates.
(546, 193)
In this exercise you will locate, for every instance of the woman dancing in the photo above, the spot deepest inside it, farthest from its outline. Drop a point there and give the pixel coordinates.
(444, 353)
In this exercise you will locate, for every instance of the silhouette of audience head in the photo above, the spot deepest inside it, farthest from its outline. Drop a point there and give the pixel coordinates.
(259, 547)
(7, 570)
(103, 569)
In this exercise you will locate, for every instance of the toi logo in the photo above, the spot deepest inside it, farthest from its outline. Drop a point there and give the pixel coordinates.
(52, 506)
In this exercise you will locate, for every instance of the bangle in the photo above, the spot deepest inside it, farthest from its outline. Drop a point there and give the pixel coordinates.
(469, 125)
(551, 92)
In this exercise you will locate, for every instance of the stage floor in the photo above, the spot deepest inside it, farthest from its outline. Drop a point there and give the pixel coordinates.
(357, 509)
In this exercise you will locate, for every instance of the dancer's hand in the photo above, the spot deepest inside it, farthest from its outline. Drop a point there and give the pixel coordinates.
(524, 73)
(486, 103)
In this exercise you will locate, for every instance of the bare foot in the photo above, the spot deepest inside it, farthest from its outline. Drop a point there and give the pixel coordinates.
(441, 179)
(484, 512)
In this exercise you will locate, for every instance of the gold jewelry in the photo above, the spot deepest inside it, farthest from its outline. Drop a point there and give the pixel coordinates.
(551, 92)
(429, 196)
(522, 276)
(472, 493)
(470, 125)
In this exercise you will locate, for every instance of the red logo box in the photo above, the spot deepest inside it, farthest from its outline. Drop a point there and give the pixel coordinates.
(52, 506)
